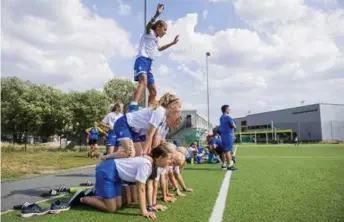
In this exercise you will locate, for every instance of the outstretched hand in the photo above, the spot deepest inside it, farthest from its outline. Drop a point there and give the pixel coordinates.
(176, 39)
(160, 8)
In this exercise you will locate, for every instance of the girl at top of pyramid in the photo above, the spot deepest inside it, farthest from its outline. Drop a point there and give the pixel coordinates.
(147, 49)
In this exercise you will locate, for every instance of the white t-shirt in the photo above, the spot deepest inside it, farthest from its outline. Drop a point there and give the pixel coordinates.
(134, 169)
(142, 120)
(190, 151)
(163, 130)
(161, 172)
(148, 45)
(111, 118)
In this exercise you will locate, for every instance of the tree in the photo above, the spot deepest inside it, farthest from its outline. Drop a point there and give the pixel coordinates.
(121, 90)
(87, 107)
(32, 108)
(12, 89)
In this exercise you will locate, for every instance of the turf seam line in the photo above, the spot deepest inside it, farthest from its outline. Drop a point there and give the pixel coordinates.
(220, 204)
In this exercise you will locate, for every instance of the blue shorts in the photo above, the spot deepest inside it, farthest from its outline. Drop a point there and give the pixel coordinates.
(227, 143)
(112, 139)
(143, 65)
(108, 183)
(124, 132)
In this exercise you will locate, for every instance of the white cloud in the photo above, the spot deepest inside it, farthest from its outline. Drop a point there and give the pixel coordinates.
(163, 70)
(124, 9)
(61, 43)
(205, 14)
(288, 51)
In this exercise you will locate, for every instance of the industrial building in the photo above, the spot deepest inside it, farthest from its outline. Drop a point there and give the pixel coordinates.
(192, 128)
(310, 123)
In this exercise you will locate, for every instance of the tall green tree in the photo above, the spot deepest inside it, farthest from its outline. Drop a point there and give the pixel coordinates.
(87, 107)
(121, 90)
(12, 89)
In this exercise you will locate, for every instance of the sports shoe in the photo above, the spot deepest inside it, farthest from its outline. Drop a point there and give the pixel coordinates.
(234, 159)
(58, 207)
(89, 192)
(63, 189)
(75, 199)
(223, 166)
(33, 210)
(52, 192)
(232, 168)
(20, 206)
(133, 108)
(86, 184)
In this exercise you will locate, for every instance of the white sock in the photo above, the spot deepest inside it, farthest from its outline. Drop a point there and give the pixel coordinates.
(133, 103)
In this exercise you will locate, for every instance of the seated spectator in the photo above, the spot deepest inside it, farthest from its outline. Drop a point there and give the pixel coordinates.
(192, 152)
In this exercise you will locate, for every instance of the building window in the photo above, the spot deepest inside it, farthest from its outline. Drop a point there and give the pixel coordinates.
(188, 121)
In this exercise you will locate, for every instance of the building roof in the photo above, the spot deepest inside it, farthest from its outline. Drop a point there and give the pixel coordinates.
(332, 104)
(199, 115)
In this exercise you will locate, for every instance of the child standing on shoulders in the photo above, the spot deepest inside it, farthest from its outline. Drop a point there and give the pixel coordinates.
(147, 48)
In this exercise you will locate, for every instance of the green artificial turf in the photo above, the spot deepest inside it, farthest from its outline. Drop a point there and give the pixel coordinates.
(204, 179)
(273, 183)
(287, 183)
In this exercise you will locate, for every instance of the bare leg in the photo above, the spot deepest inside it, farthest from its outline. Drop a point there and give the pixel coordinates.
(228, 158)
(133, 191)
(138, 149)
(140, 89)
(128, 148)
(118, 202)
(110, 150)
(152, 94)
(128, 194)
(107, 205)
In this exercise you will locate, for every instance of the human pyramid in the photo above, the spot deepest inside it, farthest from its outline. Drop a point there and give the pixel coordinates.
(138, 157)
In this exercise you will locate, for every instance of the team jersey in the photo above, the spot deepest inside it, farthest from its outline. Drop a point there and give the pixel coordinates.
(142, 120)
(216, 141)
(94, 132)
(111, 118)
(148, 45)
(226, 123)
(134, 169)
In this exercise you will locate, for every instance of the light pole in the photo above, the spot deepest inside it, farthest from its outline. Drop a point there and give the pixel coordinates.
(144, 30)
(206, 60)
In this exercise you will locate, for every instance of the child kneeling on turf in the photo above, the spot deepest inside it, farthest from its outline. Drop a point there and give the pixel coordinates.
(111, 172)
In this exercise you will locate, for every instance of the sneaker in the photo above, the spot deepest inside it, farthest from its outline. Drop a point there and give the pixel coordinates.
(75, 199)
(89, 192)
(51, 193)
(33, 210)
(234, 159)
(20, 206)
(223, 167)
(58, 207)
(232, 168)
(63, 189)
(133, 108)
(86, 184)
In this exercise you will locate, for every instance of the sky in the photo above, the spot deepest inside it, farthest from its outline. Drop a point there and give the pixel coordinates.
(265, 54)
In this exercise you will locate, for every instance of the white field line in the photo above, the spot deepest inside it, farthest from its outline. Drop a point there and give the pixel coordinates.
(220, 204)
